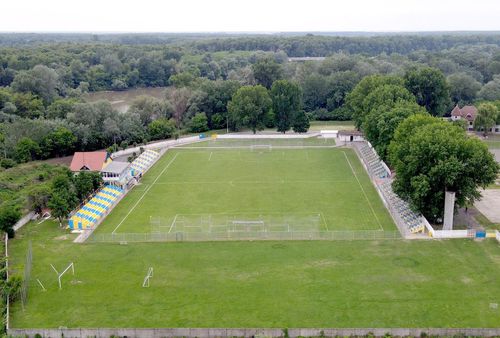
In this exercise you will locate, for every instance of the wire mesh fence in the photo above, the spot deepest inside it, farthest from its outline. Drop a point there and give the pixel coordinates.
(263, 144)
(180, 236)
(27, 275)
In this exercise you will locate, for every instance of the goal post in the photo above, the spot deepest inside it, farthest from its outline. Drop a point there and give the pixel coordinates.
(261, 147)
(149, 275)
(60, 275)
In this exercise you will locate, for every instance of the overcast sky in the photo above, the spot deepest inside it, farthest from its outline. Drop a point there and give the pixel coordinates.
(249, 15)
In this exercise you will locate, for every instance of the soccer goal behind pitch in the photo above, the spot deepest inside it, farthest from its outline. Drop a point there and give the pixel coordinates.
(261, 147)
(246, 224)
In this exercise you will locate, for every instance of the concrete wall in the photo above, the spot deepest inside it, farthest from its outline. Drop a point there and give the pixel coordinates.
(25, 219)
(251, 332)
(450, 234)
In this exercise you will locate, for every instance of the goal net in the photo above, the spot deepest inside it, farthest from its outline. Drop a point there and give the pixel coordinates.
(261, 147)
(238, 223)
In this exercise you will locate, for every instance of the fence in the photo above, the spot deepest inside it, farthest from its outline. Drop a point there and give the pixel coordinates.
(27, 275)
(243, 236)
(254, 332)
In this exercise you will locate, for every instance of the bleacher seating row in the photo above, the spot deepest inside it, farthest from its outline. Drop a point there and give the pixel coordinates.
(413, 221)
(373, 161)
(143, 161)
(93, 210)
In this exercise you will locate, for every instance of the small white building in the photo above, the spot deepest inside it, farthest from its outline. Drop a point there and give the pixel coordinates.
(350, 136)
(116, 173)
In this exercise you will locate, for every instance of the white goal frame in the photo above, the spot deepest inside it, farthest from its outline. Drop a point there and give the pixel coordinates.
(254, 147)
(59, 275)
(149, 275)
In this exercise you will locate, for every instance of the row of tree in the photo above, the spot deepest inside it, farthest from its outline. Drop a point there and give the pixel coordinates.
(429, 155)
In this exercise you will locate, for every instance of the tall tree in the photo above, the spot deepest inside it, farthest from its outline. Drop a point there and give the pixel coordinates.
(41, 80)
(301, 122)
(355, 99)
(463, 88)
(380, 125)
(430, 88)
(286, 97)
(266, 71)
(487, 115)
(249, 107)
(179, 98)
(432, 156)
(63, 197)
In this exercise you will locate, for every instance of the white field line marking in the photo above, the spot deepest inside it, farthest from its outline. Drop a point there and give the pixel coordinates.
(210, 157)
(145, 192)
(363, 190)
(173, 222)
(324, 221)
(232, 182)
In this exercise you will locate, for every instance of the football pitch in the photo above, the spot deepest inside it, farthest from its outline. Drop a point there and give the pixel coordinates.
(251, 190)
(275, 284)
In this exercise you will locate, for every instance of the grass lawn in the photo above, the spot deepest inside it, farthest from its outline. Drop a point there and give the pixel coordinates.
(16, 183)
(493, 141)
(259, 284)
(331, 125)
(365, 283)
(248, 143)
(243, 184)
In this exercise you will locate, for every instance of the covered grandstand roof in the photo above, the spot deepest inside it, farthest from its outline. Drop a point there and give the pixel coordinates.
(116, 167)
(88, 160)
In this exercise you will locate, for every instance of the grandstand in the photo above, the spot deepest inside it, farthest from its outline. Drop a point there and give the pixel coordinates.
(408, 221)
(413, 222)
(89, 214)
(143, 162)
(373, 162)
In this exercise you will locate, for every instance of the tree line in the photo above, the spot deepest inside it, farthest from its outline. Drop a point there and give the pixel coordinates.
(44, 113)
(400, 117)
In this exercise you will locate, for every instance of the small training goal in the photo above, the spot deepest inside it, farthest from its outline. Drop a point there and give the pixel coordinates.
(149, 275)
(60, 274)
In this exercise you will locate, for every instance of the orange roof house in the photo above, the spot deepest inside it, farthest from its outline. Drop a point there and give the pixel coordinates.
(467, 112)
(89, 161)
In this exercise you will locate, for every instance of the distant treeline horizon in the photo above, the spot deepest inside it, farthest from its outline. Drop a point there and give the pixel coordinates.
(294, 44)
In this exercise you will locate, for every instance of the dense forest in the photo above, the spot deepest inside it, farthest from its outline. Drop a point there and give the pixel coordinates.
(44, 79)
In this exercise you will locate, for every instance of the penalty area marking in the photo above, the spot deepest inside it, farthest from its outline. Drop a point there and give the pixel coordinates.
(363, 190)
(145, 192)
(173, 222)
(210, 157)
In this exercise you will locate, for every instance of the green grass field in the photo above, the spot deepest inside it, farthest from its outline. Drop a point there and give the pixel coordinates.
(259, 284)
(365, 283)
(199, 190)
(493, 141)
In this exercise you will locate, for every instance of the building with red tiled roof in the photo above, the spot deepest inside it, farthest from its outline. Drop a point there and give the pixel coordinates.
(89, 161)
(468, 113)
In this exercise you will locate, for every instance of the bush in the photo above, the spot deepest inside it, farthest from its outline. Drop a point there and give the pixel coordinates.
(9, 216)
(218, 121)
(7, 163)
(341, 114)
(321, 114)
(199, 123)
(161, 129)
(124, 145)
